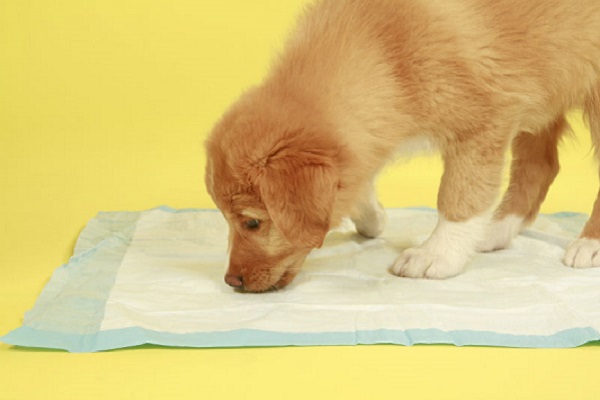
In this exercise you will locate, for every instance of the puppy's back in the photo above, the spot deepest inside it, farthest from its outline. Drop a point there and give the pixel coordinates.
(433, 58)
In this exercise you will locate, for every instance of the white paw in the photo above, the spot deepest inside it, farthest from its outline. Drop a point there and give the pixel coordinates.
(446, 252)
(501, 233)
(420, 262)
(583, 253)
(371, 222)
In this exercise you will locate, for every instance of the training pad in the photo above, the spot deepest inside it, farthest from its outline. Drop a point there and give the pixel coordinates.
(157, 277)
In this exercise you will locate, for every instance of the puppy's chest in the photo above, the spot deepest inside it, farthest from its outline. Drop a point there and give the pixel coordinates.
(414, 146)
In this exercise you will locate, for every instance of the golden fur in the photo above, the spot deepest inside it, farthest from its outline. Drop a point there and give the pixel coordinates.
(361, 79)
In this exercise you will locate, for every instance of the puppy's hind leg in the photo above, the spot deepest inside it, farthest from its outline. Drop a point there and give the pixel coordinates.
(584, 252)
(533, 169)
(472, 177)
(369, 216)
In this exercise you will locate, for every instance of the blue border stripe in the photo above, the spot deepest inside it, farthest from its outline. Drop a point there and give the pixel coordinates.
(74, 299)
(129, 337)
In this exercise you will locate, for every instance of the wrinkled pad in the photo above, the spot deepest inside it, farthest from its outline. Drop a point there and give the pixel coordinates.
(157, 277)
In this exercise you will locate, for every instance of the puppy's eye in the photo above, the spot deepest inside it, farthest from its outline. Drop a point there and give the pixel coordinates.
(252, 224)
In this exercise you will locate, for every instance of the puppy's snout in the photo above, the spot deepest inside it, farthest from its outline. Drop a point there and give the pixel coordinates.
(235, 281)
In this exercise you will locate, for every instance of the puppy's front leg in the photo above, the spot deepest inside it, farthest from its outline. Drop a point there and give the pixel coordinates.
(471, 180)
(369, 216)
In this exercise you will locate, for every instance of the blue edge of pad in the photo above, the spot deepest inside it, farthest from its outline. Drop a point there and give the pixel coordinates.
(128, 337)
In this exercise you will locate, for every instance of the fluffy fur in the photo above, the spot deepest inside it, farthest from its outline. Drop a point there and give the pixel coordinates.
(361, 80)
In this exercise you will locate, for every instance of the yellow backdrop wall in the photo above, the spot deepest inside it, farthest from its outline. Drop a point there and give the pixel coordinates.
(104, 105)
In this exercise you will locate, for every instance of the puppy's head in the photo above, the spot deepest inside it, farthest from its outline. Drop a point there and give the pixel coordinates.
(274, 178)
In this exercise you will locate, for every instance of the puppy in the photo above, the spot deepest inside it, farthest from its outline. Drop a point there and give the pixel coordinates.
(361, 80)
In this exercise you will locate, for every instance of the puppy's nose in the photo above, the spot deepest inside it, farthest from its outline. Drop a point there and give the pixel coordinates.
(234, 281)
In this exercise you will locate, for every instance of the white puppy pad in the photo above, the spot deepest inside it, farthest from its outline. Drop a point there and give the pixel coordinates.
(157, 277)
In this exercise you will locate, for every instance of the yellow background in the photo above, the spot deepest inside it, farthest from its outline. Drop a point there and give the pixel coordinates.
(104, 105)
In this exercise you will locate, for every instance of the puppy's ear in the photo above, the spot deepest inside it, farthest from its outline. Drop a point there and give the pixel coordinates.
(299, 189)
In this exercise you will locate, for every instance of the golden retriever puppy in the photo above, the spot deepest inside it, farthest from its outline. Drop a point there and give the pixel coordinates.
(361, 80)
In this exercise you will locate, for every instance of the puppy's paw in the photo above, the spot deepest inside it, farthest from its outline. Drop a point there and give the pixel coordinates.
(501, 233)
(583, 253)
(371, 222)
(420, 262)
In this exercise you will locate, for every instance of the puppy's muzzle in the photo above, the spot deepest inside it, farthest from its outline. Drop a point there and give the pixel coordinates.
(235, 281)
